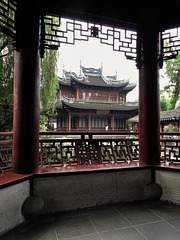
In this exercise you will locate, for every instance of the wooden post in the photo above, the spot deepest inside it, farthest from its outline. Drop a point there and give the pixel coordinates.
(69, 126)
(26, 110)
(149, 106)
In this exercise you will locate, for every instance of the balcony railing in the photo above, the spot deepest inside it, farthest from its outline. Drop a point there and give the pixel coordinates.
(5, 151)
(170, 148)
(79, 148)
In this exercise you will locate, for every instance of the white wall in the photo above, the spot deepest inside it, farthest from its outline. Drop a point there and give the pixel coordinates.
(170, 183)
(84, 190)
(11, 200)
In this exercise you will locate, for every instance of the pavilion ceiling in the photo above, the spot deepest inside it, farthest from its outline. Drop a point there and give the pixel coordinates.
(130, 14)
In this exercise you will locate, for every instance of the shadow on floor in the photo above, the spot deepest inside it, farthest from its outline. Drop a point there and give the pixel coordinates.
(124, 221)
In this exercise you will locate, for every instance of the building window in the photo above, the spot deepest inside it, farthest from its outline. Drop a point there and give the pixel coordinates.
(98, 122)
(103, 123)
(68, 94)
(82, 122)
(121, 100)
(80, 95)
(92, 122)
(113, 97)
(119, 123)
(98, 96)
(64, 122)
(90, 95)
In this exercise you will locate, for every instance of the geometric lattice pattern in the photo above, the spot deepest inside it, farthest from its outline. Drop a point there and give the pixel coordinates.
(171, 43)
(59, 152)
(80, 152)
(119, 150)
(54, 32)
(5, 155)
(7, 17)
(88, 152)
(170, 151)
(62, 152)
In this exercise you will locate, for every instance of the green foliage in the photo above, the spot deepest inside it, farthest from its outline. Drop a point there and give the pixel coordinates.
(165, 104)
(49, 82)
(173, 73)
(49, 85)
(6, 83)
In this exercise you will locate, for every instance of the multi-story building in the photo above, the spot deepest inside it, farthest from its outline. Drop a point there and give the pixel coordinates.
(94, 102)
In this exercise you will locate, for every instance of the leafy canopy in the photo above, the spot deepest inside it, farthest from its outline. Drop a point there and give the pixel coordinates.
(6, 83)
(49, 85)
(49, 81)
(173, 73)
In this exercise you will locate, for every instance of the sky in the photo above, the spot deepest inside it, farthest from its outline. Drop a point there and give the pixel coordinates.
(94, 54)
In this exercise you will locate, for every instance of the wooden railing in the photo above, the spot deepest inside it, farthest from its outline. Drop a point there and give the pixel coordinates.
(79, 148)
(170, 148)
(80, 152)
(5, 151)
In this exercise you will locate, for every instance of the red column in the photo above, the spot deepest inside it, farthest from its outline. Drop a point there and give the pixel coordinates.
(149, 111)
(26, 93)
(69, 127)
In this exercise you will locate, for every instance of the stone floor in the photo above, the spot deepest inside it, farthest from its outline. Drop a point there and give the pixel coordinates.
(127, 221)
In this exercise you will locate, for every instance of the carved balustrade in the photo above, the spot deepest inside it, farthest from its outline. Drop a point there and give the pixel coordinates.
(107, 147)
(88, 151)
(170, 148)
(5, 151)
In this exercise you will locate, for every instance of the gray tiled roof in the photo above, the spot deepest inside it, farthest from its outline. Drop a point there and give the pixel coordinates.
(100, 82)
(100, 106)
(94, 77)
(171, 115)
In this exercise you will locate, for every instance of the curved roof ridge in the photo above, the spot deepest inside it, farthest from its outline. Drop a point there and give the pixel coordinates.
(130, 86)
(99, 106)
(91, 70)
(95, 78)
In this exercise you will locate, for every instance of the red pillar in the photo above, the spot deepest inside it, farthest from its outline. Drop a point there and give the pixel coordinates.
(149, 110)
(26, 92)
(69, 123)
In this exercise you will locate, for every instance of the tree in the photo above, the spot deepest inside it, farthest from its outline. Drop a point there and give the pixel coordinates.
(49, 85)
(49, 80)
(173, 73)
(164, 104)
(6, 83)
(48, 90)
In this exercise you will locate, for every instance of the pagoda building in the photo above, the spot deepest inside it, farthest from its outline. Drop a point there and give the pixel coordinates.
(93, 102)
